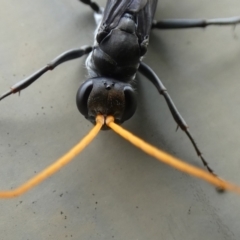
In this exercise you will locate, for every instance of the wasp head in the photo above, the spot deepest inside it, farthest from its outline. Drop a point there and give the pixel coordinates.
(106, 96)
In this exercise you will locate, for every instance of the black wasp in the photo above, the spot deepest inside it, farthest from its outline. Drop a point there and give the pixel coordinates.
(121, 41)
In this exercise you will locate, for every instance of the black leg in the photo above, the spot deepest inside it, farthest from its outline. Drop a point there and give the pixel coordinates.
(66, 56)
(194, 23)
(151, 75)
(93, 5)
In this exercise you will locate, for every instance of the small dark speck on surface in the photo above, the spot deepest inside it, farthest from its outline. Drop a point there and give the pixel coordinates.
(136, 206)
(61, 212)
(34, 202)
(65, 226)
(61, 195)
(96, 202)
(65, 217)
(54, 191)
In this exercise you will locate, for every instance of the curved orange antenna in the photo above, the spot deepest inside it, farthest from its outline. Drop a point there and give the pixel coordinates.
(170, 160)
(65, 159)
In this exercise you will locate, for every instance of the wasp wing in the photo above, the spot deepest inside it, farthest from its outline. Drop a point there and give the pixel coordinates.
(143, 10)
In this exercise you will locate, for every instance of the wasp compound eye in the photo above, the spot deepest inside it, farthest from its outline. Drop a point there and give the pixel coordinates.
(82, 97)
(130, 103)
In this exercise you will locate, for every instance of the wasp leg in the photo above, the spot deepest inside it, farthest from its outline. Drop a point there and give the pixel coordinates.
(93, 5)
(151, 75)
(194, 23)
(66, 56)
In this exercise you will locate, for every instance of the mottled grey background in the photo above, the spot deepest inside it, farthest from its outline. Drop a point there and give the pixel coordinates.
(113, 190)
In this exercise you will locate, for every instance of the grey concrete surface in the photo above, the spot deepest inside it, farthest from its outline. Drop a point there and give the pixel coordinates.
(112, 190)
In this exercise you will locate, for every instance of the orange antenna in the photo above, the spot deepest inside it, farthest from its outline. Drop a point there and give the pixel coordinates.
(170, 160)
(61, 162)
